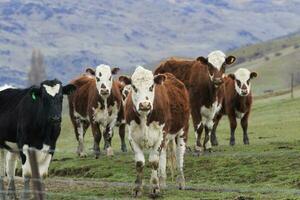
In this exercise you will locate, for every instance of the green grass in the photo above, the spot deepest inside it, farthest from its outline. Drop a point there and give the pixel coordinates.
(268, 168)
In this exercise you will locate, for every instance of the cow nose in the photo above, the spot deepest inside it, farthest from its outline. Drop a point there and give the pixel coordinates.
(244, 92)
(103, 86)
(104, 91)
(56, 119)
(218, 81)
(144, 106)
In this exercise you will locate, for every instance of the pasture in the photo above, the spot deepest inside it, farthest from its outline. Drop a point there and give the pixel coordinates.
(266, 169)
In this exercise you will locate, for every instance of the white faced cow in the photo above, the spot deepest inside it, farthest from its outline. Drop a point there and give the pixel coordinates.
(157, 113)
(237, 102)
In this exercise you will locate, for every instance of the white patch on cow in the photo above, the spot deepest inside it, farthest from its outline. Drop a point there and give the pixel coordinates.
(52, 90)
(103, 77)
(239, 115)
(142, 79)
(4, 87)
(217, 59)
(208, 115)
(77, 115)
(43, 159)
(243, 75)
(180, 150)
(163, 163)
(2, 163)
(102, 115)
(11, 163)
(13, 146)
(146, 136)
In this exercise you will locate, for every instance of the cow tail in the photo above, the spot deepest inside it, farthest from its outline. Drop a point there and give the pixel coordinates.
(171, 157)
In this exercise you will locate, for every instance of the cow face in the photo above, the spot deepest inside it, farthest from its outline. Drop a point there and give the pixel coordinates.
(51, 93)
(104, 80)
(143, 89)
(217, 62)
(242, 79)
(125, 87)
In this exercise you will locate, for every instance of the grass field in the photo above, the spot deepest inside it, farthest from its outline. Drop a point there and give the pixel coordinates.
(269, 168)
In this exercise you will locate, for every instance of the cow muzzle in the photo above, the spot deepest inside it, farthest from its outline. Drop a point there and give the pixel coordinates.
(104, 92)
(217, 82)
(244, 92)
(144, 106)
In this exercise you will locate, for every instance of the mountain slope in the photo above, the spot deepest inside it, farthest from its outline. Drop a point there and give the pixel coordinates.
(126, 33)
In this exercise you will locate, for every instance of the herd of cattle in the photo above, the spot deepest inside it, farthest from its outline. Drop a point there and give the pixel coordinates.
(155, 106)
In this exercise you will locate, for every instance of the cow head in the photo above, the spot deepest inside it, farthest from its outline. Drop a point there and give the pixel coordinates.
(103, 75)
(51, 93)
(126, 87)
(143, 88)
(217, 62)
(242, 79)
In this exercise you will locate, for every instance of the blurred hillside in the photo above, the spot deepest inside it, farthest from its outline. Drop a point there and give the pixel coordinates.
(75, 34)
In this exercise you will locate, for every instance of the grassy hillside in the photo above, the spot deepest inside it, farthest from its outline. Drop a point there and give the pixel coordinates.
(266, 169)
(274, 61)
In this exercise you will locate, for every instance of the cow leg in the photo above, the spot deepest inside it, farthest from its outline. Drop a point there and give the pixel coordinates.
(208, 128)
(244, 124)
(11, 163)
(233, 124)
(139, 164)
(2, 173)
(80, 132)
(122, 137)
(163, 167)
(97, 138)
(108, 134)
(154, 161)
(214, 140)
(26, 191)
(180, 150)
(198, 127)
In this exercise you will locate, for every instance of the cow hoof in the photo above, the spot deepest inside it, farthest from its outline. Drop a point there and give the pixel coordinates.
(82, 155)
(198, 151)
(137, 192)
(109, 152)
(181, 182)
(155, 192)
(208, 150)
(97, 156)
(246, 141)
(214, 143)
(232, 142)
(124, 148)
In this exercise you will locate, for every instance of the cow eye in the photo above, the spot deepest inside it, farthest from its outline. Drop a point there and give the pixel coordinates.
(100, 74)
(98, 79)
(248, 82)
(238, 83)
(110, 78)
(134, 88)
(151, 88)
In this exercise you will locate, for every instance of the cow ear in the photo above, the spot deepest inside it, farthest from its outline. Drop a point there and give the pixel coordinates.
(232, 76)
(125, 79)
(202, 59)
(253, 75)
(68, 89)
(230, 60)
(158, 79)
(90, 71)
(115, 70)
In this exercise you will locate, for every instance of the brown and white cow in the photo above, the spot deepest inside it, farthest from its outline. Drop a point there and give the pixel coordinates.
(96, 102)
(203, 79)
(237, 102)
(157, 114)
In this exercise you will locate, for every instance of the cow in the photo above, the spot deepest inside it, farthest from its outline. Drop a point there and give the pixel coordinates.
(157, 115)
(30, 119)
(203, 77)
(96, 102)
(237, 102)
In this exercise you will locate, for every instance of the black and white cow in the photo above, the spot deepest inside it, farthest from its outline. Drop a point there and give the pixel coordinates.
(30, 119)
